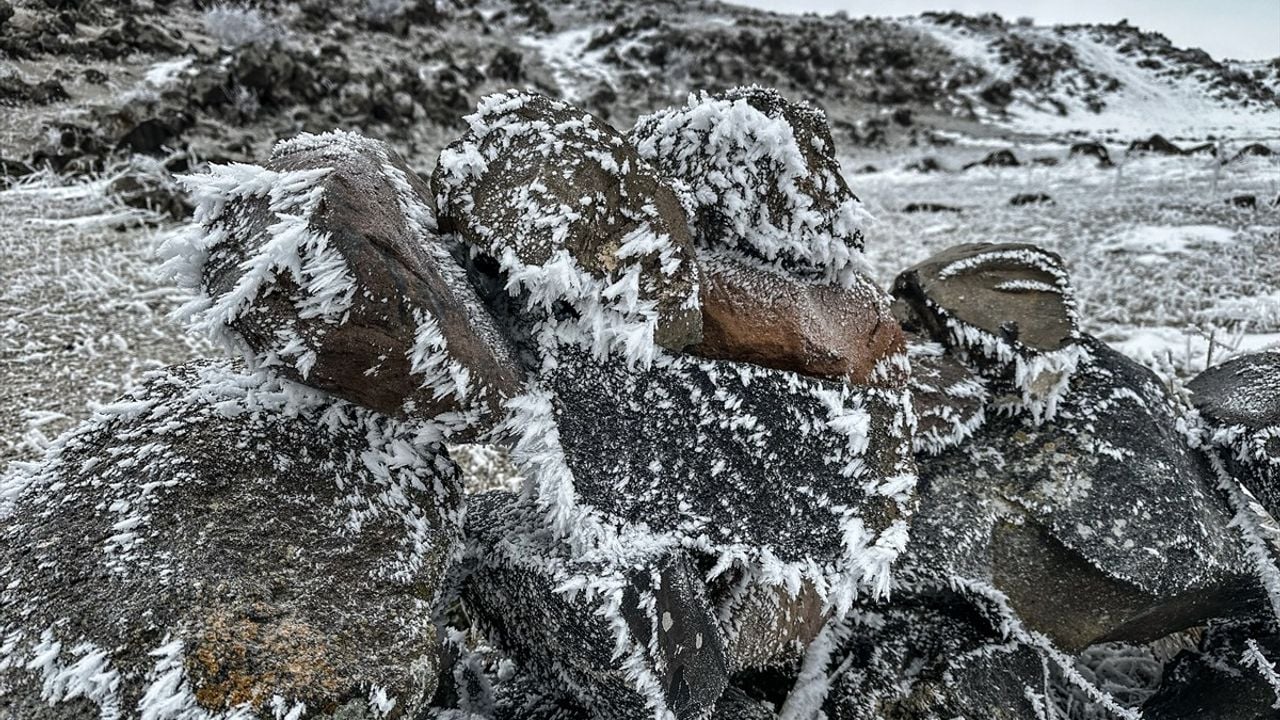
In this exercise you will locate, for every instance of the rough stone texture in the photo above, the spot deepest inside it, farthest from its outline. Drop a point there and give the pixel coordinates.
(550, 191)
(761, 316)
(735, 704)
(949, 399)
(1063, 516)
(1240, 403)
(800, 477)
(215, 540)
(762, 176)
(770, 626)
(359, 295)
(931, 658)
(1156, 144)
(1218, 681)
(628, 643)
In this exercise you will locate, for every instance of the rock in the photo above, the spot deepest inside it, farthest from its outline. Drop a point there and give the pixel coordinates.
(771, 626)
(1094, 150)
(794, 478)
(1210, 148)
(16, 92)
(156, 135)
(949, 399)
(1046, 161)
(957, 663)
(997, 158)
(627, 642)
(326, 265)
(762, 316)
(1060, 515)
(1007, 309)
(217, 541)
(1253, 150)
(152, 188)
(1030, 199)
(572, 214)
(1239, 401)
(925, 165)
(761, 175)
(919, 207)
(1155, 145)
(735, 704)
(1228, 677)
(1246, 202)
(11, 170)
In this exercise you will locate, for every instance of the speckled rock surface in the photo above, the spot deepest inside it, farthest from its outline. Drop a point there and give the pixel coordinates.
(221, 542)
(326, 266)
(949, 399)
(572, 214)
(1231, 675)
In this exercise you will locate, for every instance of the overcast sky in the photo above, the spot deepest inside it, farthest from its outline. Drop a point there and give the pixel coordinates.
(1237, 29)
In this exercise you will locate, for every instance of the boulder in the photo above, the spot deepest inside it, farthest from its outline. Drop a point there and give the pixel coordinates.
(223, 542)
(948, 398)
(1253, 150)
(1231, 675)
(1095, 150)
(1155, 145)
(1030, 199)
(151, 187)
(929, 207)
(997, 158)
(1239, 401)
(788, 478)
(761, 175)
(1007, 310)
(1244, 202)
(932, 658)
(633, 641)
(925, 165)
(1061, 515)
(756, 314)
(571, 214)
(326, 266)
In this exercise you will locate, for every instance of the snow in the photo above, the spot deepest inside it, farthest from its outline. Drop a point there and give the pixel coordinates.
(1149, 244)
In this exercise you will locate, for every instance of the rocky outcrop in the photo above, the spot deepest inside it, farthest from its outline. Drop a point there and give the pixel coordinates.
(326, 266)
(218, 541)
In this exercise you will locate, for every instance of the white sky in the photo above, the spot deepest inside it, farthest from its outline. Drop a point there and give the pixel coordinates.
(1236, 29)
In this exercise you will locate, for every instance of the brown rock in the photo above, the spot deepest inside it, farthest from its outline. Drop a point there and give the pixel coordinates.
(751, 314)
(769, 626)
(408, 336)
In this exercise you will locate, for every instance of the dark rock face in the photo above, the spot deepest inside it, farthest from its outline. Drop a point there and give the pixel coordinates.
(217, 540)
(1030, 199)
(626, 642)
(771, 626)
(928, 207)
(949, 399)
(1225, 679)
(926, 165)
(1060, 516)
(571, 213)
(1155, 145)
(757, 315)
(1239, 401)
(715, 452)
(326, 266)
(761, 176)
(152, 189)
(1094, 150)
(959, 666)
(1007, 310)
(1254, 150)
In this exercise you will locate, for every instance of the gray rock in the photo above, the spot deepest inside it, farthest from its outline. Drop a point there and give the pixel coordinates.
(932, 658)
(1227, 678)
(762, 177)
(949, 399)
(792, 478)
(1239, 401)
(572, 214)
(218, 540)
(735, 704)
(626, 642)
(1101, 524)
(326, 266)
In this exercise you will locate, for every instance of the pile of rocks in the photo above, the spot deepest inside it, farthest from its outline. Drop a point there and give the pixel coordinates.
(755, 485)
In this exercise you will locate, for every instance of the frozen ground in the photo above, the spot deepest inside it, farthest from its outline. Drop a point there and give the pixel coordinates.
(1165, 268)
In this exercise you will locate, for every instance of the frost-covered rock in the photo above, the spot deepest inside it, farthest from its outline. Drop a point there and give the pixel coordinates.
(767, 627)
(790, 478)
(326, 267)
(1008, 310)
(219, 544)
(949, 399)
(932, 659)
(761, 175)
(1239, 401)
(756, 314)
(1100, 524)
(627, 642)
(1235, 674)
(572, 215)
